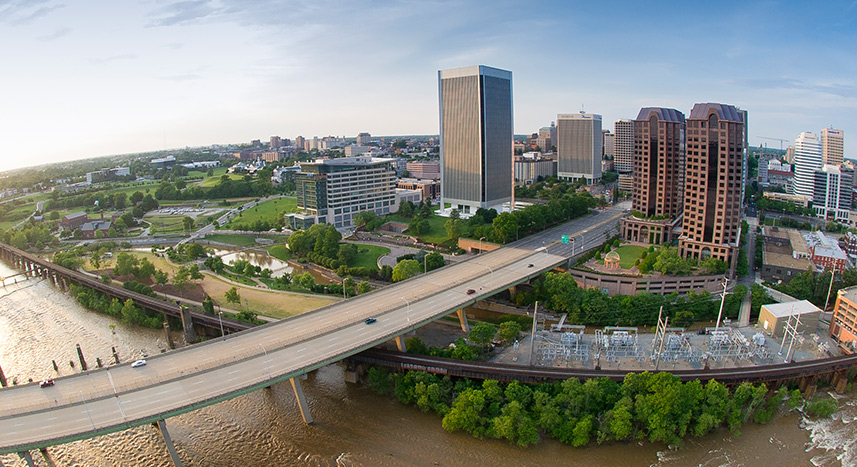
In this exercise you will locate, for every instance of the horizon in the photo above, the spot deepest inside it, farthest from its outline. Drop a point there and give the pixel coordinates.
(93, 80)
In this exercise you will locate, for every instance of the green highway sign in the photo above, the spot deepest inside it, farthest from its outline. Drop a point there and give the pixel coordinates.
(565, 239)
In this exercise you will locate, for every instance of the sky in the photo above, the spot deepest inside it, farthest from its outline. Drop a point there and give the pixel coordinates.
(84, 79)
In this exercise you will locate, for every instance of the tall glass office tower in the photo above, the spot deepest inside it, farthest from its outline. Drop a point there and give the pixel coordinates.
(475, 137)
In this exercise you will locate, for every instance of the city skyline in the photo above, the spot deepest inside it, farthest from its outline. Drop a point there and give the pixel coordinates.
(88, 80)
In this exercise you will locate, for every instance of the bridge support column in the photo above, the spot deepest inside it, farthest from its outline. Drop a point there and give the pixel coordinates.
(462, 318)
(840, 381)
(27, 457)
(48, 459)
(162, 427)
(512, 290)
(169, 335)
(400, 343)
(302, 405)
(187, 324)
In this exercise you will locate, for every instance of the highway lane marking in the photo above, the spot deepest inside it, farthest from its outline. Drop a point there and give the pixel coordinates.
(198, 382)
(302, 350)
(233, 372)
(52, 418)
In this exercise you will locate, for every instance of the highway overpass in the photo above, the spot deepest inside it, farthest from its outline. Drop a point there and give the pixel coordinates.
(113, 399)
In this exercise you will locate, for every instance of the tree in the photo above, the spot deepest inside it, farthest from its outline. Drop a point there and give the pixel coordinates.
(433, 261)
(136, 197)
(187, 223)
(713, 266)
(347, 253)
(145, 269)
(364, 217)
(683, 319)
(483, 334)
(505, 225)
(181, 279)
(119, 200)
(405, 269)
(160, 277)
(363, 287)
(126, 263)
(406, 209)
(95, 261)
(232, 296)
(509, 331)
(453, 228)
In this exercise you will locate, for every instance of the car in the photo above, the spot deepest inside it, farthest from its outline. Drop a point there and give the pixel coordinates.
(370, 320)
(138, 364)
(46, 383)
(530, 265)
(470, 291)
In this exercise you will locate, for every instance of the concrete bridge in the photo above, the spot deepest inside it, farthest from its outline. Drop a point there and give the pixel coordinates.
(113, 399)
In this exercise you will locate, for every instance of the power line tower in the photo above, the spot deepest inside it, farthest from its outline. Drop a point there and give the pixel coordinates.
(790, 331)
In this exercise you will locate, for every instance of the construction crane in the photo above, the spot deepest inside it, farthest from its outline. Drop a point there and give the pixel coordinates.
(776, 139)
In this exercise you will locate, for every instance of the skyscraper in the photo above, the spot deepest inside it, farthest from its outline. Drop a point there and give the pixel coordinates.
(713, 183)
(475, 137)
(624, 149)
(659, 154)
(579, 147)
(832, 142)
(807, 160)
(832, 192)
(608, 142)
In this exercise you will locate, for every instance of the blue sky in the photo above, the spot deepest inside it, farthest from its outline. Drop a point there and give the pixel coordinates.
(84, 78)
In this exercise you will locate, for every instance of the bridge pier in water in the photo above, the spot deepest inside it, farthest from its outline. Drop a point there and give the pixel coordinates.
(187, 324)
(174, 455)
(302, 405)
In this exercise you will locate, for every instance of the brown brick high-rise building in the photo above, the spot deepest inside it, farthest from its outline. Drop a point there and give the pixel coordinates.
(659, 152)
(713, 182)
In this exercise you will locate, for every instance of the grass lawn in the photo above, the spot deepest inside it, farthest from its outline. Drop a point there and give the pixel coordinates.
(107, 263)
(628, 254)
(266, 303)
(215, 179)
(436, 233)
(280, 252)
(369, 259)
(268, 211)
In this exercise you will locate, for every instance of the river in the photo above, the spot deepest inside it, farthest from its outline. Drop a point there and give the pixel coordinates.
(353, 426)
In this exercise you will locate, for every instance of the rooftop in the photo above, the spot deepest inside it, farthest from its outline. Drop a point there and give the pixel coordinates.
(782, 310)
(724, 112)
(786, 261)
(667, 115)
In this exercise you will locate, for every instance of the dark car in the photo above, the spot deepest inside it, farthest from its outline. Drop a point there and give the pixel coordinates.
(46, 383)
(370, 320)
(530, 265)
(470, 291)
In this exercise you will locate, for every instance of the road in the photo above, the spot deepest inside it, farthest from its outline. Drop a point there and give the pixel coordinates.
(113, 399)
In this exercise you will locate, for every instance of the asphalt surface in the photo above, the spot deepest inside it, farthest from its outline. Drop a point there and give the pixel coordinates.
(120, 397)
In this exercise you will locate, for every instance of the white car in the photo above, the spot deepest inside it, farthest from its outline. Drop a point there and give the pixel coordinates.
(138, 364)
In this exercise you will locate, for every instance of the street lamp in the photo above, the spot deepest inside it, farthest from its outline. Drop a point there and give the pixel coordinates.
(220, 317)
(408, 312)
(267, 364)
(480, 244)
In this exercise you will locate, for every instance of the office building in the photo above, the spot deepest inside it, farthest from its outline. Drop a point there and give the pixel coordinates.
(579, 147)
(475, 137)
(363, 139)
(276, 142)
(429, 170)
(331, 191)
(832, 146)
(608, 144)
(807, 160)
(790, 154)
(547, 138)
(843, 326)
(533, 167)
(624, 150)
(658, 190)
(299, 142)
(713, 184)
(832, 192)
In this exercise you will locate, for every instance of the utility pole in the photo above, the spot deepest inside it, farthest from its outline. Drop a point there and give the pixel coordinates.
(830, 288)
(533, 335)
(722, 302)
